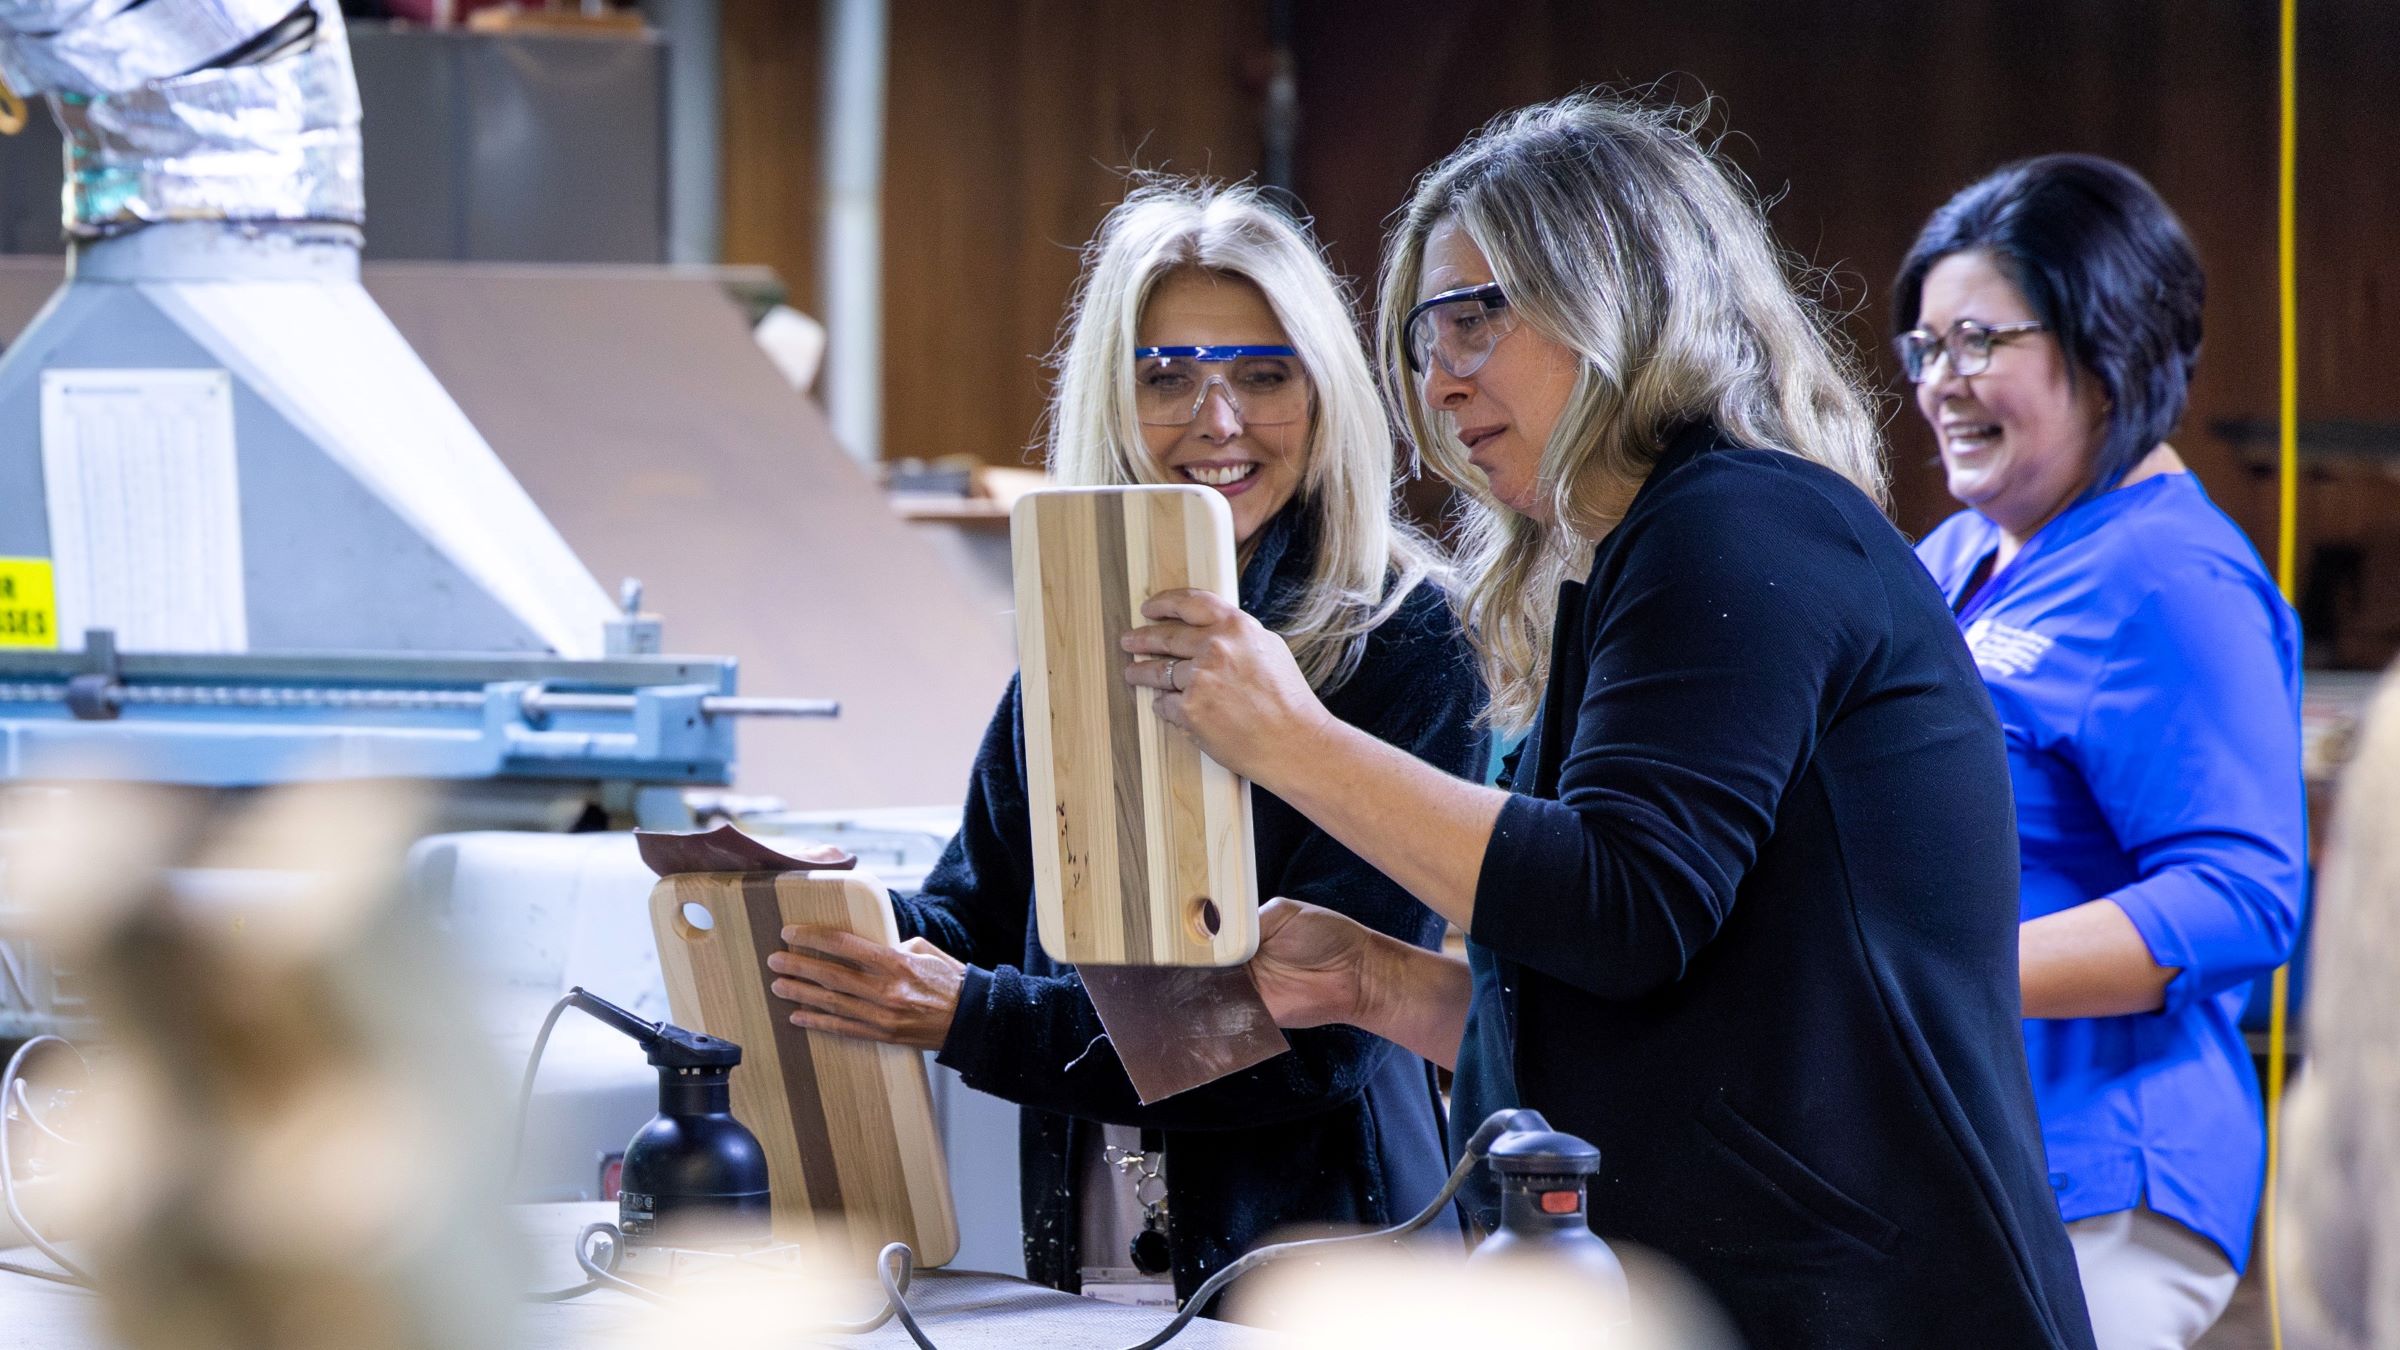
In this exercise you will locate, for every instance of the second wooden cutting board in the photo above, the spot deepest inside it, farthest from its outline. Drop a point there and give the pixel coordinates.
(1142, 844)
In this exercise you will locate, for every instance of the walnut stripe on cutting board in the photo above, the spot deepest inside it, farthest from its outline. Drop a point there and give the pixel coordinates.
(820, 1173)
(1130, 784)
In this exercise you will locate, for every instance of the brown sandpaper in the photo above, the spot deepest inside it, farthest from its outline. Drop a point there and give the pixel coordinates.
(1177, 1027)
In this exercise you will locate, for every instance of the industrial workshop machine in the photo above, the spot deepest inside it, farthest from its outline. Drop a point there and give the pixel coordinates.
(245, 535)
(248, 537)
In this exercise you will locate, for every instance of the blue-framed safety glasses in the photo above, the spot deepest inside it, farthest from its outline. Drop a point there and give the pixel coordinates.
(1265, 385)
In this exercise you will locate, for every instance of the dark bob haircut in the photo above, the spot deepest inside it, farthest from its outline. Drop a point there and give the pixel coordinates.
(2104, 264)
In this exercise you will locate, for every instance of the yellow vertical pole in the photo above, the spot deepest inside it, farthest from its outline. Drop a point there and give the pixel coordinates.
(2286, 570)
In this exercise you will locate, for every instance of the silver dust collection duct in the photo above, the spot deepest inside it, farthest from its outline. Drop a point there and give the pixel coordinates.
(211, 432)
(213, 110)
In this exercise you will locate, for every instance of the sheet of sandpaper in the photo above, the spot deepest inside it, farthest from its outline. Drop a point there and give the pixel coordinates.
(726, 849)
(1177, 1027)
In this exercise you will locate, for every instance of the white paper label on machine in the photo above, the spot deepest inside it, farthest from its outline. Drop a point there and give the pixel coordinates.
(144, 508)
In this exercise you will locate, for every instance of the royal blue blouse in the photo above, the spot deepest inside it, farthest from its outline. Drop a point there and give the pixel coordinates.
(2147, 675)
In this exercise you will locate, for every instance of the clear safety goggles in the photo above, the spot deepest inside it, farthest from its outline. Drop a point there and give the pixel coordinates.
(1457, 329)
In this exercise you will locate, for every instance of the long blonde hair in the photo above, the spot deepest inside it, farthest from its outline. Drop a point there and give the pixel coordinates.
(1094, 439)
(1616, 234)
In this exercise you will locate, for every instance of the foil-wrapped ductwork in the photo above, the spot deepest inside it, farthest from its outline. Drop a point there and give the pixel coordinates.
(233, 113)
(100, 47)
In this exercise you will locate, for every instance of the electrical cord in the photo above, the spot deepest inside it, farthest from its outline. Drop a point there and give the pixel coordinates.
(533, 1064)
(606, 1276)
(600, 1246)
(25, 1104)
(575, 1291)
(602, 1277)
(11, 1083)
(895, 1265)
(1499, 1123)
(603, 1271)
(38, 1273)
(568, 1294)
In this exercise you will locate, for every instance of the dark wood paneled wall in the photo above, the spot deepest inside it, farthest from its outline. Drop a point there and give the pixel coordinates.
(1858, 118)
(1010, 121)
(1011, 126)
(770, 101)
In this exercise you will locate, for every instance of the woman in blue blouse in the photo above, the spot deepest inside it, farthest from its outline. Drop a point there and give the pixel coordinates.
(2147, 676)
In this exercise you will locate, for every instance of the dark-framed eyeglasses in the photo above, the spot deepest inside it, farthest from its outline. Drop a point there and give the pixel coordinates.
(1264, 384)
(1456, 329)
(1968, 344)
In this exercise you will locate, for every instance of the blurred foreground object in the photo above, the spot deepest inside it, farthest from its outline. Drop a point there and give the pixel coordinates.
(294, 1135)
(1414, 1300)
(2339, 1221)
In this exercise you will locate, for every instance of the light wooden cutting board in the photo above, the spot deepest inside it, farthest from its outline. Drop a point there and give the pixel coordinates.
(1142, 846)
(853, 1157)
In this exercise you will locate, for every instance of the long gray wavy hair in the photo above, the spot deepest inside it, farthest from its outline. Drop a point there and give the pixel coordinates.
(1615, 233)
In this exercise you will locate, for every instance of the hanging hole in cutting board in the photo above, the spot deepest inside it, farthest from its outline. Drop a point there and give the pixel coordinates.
(694, 921)
(1205, 919)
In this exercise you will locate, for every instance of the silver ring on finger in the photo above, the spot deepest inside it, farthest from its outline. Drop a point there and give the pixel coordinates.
(1169, 676)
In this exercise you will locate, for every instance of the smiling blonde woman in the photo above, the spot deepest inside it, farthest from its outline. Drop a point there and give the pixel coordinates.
(1208, 344)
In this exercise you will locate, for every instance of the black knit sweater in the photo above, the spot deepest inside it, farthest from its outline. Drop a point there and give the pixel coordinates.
(1752, 916)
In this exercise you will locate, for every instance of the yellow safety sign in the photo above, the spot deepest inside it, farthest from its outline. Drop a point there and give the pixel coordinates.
(28, 605)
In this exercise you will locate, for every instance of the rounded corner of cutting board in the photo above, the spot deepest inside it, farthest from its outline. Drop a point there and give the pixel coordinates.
(1211, 503)
(1249, 947)
(868, 878)
(1027, 509)
(941, 1248)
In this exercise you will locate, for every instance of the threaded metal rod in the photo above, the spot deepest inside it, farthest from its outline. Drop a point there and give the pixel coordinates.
(537, 702)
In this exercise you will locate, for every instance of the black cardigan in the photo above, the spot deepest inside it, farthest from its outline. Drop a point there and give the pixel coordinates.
(1755, 914)
(1344, 1130)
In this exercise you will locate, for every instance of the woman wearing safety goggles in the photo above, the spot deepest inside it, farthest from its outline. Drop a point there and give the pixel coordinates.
(1208, 344)
(1745, 916)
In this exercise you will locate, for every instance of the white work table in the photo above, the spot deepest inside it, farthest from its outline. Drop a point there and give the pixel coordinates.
(960, 1310)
